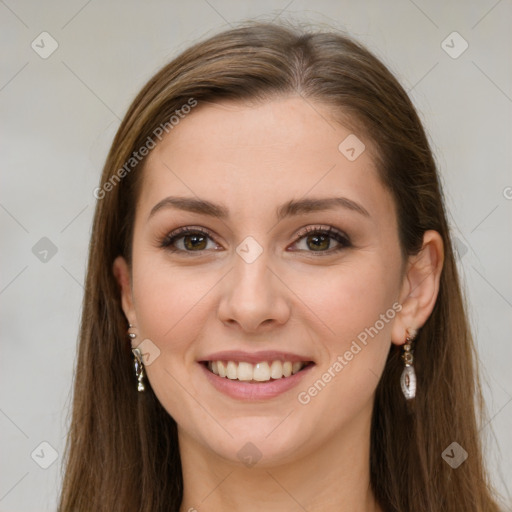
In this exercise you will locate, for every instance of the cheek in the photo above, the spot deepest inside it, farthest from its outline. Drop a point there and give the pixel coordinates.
(356, 304)
(351, 298)
(169, 301)
(172, 307)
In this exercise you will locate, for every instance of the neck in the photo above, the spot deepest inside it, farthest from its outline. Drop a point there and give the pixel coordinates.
(334, 476)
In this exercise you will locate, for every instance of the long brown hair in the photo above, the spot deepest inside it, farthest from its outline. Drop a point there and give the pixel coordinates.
(122, 451)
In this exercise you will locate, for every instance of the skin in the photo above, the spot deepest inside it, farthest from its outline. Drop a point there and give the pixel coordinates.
(252, 159)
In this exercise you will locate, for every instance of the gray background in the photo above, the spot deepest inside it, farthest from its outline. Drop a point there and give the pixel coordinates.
(59, 115)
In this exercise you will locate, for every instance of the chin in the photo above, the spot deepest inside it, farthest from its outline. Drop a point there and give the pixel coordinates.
(259, 440)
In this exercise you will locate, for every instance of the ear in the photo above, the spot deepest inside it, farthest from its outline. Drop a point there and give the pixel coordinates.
(122, 274)
(420, 287)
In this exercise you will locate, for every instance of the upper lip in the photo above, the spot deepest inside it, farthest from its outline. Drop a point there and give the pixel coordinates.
(255, 357)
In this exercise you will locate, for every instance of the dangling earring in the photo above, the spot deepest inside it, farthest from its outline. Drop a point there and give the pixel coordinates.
(408, 377)
(137, 362)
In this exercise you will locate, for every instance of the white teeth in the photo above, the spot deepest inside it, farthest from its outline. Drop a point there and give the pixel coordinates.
(296, 367)
(231, 372)
(244, 371)
(221, 369)
(260, 372)
(276, 370)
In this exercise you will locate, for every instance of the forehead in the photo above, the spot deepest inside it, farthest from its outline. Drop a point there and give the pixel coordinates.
(274, 150)
(287, 123)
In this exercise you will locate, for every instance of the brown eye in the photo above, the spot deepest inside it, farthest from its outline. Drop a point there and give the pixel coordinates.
(195, 242)
(318, 242)
(321, 240)
(186, 240)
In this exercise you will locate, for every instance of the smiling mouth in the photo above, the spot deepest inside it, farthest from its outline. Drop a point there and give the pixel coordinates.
(264, 371)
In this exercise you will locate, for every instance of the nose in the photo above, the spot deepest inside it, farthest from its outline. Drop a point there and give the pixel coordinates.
(253, 298)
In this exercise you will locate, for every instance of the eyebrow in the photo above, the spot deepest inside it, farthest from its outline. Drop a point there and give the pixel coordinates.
(291, 208)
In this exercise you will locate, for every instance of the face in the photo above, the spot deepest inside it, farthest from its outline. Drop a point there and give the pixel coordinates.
(265, 278)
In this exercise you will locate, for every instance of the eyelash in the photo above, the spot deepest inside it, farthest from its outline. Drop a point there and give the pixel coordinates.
(332, 233)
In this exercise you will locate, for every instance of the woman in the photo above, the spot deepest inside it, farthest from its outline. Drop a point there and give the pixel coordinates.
(272, 317)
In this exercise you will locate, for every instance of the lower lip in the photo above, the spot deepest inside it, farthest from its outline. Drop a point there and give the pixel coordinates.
(254, 391)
